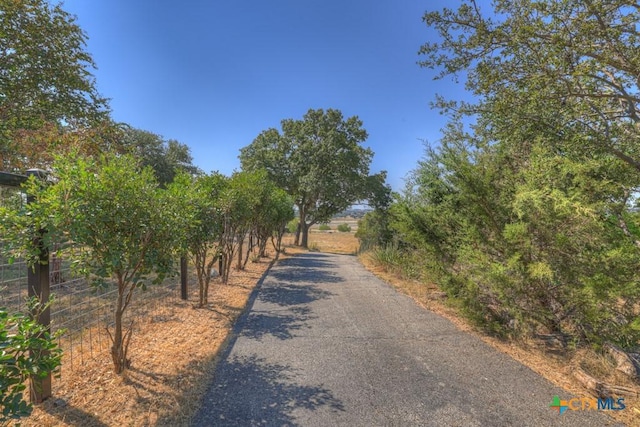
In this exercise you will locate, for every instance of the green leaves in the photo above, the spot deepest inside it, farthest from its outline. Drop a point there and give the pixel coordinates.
(46, 82)
(113, 221)
(318, 161)
(27, 349)
(562, 69)
(526, 205)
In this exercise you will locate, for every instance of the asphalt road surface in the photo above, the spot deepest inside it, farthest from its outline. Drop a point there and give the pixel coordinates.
(326, 343)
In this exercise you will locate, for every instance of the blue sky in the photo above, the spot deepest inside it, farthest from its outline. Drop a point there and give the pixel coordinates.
(214, 74)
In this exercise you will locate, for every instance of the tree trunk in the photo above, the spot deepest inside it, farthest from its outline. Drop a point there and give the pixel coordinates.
(240, 246)
(249, 250)
(118, 351)
(200, 269)
(262, 248)
(305, 235)
(302, 233)
(296, 242)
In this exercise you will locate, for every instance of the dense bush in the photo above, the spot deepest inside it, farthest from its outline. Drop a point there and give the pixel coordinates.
(292, 226)
(526, 207)
(28, 350)
(344, 228)
(324, 227)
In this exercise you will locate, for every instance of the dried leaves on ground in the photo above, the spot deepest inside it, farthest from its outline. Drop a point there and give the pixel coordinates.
(172, 355)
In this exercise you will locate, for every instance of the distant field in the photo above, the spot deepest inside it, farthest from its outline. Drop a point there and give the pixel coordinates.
(335, 222)
(331, 241)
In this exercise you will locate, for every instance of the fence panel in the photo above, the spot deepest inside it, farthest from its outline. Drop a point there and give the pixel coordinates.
(82, 310)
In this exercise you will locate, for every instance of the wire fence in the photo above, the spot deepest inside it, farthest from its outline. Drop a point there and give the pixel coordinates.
(82, 310)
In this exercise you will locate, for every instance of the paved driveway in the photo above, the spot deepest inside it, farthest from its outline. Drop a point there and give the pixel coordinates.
(326, 343)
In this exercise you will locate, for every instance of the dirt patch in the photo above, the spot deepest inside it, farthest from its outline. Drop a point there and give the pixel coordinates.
(173, 355)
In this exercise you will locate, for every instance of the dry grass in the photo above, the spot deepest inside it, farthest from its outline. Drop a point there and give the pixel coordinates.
(556, 366)
(173, 354)
(334, 242)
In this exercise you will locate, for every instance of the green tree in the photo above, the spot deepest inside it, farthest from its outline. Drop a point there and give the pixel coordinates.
(318, 161)
(555, 68)
(198, 201)
(167, 158)
(118, 226)
(238, 201)
(281, 214)
(373, 230)
(45, 78)
(524, 209)
(272, 213)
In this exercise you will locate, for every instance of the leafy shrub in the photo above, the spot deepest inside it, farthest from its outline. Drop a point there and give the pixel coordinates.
(344, 228)
(397, 261)
(292, 226)
(28, 350)
(324, 227)
(373, 230)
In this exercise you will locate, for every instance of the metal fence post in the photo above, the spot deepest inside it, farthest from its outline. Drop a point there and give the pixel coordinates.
(38, 287)
(183, 277)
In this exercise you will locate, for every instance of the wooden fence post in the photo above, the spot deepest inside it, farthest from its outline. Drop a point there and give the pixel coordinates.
(38, 287)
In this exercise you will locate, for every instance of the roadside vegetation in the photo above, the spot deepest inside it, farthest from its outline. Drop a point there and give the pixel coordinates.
(526, 213)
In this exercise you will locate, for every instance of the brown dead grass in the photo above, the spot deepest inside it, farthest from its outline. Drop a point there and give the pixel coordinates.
(334, 242)
(555, 365)
(173, 354)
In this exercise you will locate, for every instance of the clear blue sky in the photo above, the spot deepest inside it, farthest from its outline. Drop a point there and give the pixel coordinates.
(214, 74)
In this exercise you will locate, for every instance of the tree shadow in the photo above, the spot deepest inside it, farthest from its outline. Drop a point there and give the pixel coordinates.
(69, 415)
(250, 391)
(309, 260)
(312, 268)
(281, 326)
(284, 294)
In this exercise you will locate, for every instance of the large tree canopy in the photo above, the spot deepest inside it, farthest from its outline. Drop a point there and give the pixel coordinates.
(524, 211)
(45, 74)
(165, 157)
(318, 160)
(548, 67)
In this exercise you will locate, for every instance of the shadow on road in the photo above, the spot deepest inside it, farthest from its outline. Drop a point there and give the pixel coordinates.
(287, 294)
(309, 260)
(307, 268)
(277, 325)
(250, 391)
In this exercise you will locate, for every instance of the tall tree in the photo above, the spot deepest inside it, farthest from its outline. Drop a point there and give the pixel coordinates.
(547, 67)
(525, 208)
(318, 160)
(45, 77)
(165, 157)
(198, 200)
